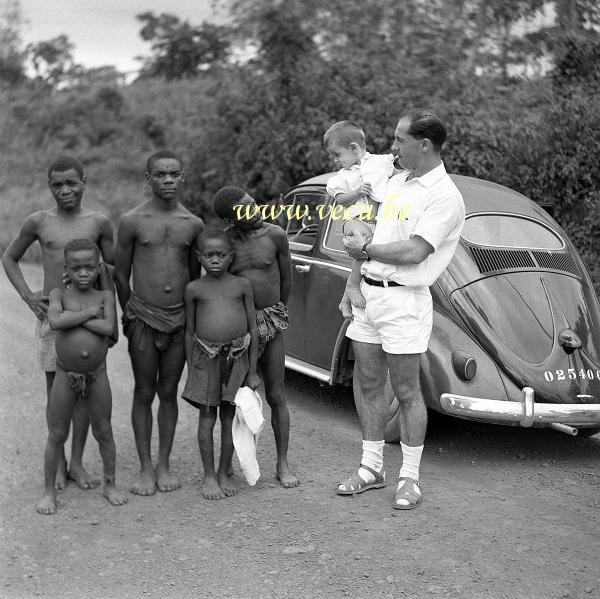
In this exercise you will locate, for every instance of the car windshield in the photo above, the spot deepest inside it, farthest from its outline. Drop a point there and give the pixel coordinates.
(504, 230)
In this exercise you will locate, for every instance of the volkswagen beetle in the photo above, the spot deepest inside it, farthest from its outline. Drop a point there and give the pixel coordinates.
(516, 323)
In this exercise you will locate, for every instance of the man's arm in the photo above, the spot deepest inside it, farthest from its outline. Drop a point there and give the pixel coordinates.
(252, 378)
(190, 323)
(63, 320)
(28, 234)
(104, 324)
(409, 251)
(193, 264)
(106, 240)
(123, 258)
(284, 260)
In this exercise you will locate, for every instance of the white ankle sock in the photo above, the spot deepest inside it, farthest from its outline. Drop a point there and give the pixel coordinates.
(372, 456)
(411, 459)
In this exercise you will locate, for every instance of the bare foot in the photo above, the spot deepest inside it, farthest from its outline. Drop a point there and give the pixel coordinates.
(286, 477)
(60, 481)
(211, 489)
(147, 483)
(47, 504)
(81, 476)
(357, 299)
(165, 481)
(227, 485)
(114, 496)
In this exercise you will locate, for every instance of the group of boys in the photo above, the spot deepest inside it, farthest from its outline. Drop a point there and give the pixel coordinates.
(402, 229)
(225, 323)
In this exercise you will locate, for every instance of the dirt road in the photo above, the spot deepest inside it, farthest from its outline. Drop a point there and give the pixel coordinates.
(507, 512)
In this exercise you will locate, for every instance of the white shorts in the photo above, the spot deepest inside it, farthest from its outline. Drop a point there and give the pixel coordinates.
(45, 350)
(397, 318)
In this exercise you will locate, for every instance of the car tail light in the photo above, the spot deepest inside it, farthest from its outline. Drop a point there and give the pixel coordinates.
(464, 364)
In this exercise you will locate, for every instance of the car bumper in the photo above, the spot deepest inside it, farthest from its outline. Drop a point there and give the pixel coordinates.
(524, 413)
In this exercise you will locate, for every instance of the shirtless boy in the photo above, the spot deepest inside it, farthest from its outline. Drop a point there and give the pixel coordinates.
(221, 346)
(262, 255)
(53, 229)
(155, 241)
(84, 319)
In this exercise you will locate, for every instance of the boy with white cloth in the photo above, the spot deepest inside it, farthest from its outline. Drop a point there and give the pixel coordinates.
(360, 185)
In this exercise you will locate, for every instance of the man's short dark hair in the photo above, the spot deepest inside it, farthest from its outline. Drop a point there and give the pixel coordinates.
(65, 163)
(162, 154)
(225, 199)
(344, 133)
(213, 234)
(425, 124)
(77, 245)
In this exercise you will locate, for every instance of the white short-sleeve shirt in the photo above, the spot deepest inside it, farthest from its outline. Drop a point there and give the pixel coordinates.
(374, 169)
(429, 206)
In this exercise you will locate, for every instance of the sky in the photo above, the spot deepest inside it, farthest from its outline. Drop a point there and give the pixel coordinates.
(104, 32)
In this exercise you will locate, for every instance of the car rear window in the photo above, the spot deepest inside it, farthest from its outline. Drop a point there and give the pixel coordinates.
(505, 230)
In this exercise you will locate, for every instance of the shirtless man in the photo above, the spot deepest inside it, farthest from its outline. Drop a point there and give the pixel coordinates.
(262, 255)
(53, 229)
(156, 241)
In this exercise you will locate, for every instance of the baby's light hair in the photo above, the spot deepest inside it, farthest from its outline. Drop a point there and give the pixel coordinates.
(344, 133)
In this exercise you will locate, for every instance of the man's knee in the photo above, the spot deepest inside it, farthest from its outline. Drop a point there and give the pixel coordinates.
(144, 393)
(58, 434)
(274, 395)
(167, 392)
(102, 430)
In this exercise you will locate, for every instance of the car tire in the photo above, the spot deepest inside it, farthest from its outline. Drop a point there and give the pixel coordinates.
(588, 432)
(392, 427)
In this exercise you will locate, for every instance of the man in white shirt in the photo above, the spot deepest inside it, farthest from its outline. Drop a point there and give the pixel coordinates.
(418, 228)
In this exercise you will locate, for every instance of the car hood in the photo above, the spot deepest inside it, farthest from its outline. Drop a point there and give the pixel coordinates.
(528, 322)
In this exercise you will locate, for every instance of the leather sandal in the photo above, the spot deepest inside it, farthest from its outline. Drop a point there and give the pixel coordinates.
(355, 484)
(409, 491)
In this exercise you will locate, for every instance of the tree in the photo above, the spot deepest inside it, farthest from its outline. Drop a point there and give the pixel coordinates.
(11, 53)
(52, 60)
(180, 49)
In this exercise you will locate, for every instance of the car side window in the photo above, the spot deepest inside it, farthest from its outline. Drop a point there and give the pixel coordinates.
(333, 239)
(303, 217)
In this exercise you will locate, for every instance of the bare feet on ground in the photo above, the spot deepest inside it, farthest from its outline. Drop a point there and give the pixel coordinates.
(114, 496)
(47, 504)
(227, 485)
(81, 476)
(286, 477)
(211, 488)
(165, 481)
(60, 481)
(356, 298)
(147, 483)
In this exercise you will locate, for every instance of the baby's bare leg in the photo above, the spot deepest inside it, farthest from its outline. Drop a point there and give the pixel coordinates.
(171, 366)
(99, 407)
(77, 472)
(206, 423)
(353, 286)
(227, 411)
(58, 416)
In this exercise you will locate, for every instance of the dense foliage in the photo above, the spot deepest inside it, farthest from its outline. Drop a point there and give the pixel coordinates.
(516, 81)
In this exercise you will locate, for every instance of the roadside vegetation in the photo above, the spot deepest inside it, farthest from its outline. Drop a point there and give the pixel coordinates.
(247, 103)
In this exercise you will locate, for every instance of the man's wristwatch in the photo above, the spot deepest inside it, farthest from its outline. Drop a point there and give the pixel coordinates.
(363, 251)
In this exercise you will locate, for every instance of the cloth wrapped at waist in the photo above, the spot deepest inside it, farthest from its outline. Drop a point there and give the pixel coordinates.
(216, 371)
(163, 320)
(81, 381)
(270, 321)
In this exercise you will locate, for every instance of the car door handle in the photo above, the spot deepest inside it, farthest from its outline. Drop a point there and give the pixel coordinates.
(302, 267)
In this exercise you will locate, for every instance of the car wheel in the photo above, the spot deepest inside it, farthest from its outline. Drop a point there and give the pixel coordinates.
(392, 427)
(588, 432)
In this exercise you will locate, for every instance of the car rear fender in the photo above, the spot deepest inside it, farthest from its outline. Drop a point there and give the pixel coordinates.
(341, 369)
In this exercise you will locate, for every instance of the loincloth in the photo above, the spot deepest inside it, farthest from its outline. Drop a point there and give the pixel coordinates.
(45, 349)
(217, 371)
(145, 324)
(270, 321)
(81, 381)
